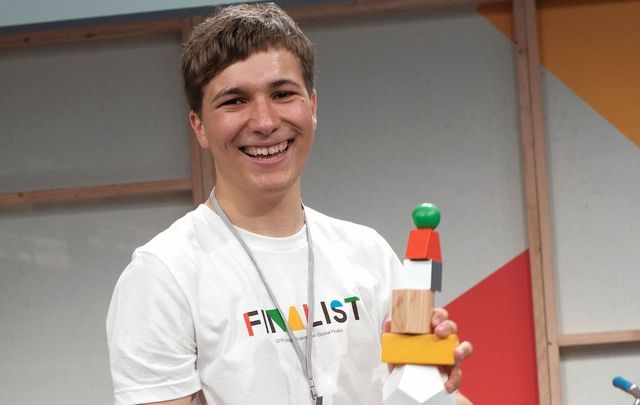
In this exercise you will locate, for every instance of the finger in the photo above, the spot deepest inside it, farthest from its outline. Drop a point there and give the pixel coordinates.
(454, 380)
(446, 328)
(439, 315)
(386, 326)
(464, 350)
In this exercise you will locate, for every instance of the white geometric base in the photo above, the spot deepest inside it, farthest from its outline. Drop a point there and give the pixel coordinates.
(416, 385)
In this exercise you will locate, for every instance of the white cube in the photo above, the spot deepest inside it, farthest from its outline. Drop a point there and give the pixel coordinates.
(416, 385)
(420, 275)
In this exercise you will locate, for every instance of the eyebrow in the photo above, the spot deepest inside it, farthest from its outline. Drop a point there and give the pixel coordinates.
(228, 91)
(282, 82)
(238, 90)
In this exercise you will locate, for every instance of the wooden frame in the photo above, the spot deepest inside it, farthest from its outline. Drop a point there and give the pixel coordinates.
(598, 338)
(537, 201)
(303, 14)
(61, 195)
(202, 168)
(548, 343)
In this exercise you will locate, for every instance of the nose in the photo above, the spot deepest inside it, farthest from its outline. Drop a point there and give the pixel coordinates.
(264, 119)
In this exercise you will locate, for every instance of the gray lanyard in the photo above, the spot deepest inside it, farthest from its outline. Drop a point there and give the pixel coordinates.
(305, 361)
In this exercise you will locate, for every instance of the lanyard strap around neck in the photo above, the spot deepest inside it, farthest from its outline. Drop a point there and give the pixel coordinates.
(305, 360)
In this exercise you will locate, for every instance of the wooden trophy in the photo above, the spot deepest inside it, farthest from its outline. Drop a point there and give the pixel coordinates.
(411, 343)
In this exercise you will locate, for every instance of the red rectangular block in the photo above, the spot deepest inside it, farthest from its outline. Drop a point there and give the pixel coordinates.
(424, 244)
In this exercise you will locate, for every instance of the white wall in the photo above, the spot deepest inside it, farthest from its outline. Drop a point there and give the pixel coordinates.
(77, 115)
(422, 110)
(595, 200)
(58, 266)
(595, 196)
(92, 113)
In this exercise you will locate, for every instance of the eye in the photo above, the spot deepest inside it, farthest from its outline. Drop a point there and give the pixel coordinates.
(282, 94)
(232, 101)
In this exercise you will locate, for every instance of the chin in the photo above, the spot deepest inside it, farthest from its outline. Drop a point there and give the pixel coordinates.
(275, 187)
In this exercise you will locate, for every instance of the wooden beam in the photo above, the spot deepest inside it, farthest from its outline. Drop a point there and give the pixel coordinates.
(542, 188)
(95, 192)
(304, 14)
(599, 338)
(537, 204)
(202, 168)
(89, 33)
(372, 8)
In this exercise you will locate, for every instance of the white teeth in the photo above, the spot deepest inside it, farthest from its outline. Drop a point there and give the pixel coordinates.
(266, 151)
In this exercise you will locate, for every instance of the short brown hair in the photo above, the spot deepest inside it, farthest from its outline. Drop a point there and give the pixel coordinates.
(233, 34)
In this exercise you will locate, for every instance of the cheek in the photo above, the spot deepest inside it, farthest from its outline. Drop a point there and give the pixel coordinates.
(303, 115)
(222, 130)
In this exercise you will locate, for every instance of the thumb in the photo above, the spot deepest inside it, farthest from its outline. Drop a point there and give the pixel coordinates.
(386, 326)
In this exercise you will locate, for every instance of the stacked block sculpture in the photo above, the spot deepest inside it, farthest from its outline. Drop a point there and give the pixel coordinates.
(411, 342)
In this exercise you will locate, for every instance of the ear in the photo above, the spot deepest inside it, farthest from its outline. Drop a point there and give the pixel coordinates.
(198, 129)
(314, 107)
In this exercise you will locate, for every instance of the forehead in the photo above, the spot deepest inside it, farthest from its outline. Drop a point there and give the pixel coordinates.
(260, 69)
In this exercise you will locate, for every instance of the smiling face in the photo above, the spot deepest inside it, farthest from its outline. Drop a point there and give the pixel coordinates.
(258, 122)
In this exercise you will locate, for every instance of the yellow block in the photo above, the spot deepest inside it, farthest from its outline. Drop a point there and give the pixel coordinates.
(418, 349)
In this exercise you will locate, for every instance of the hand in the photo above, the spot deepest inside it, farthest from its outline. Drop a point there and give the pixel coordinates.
(443, 327)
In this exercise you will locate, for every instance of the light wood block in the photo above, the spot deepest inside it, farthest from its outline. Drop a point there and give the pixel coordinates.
(411, 311)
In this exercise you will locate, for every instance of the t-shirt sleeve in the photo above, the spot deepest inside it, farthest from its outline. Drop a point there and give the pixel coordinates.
(151, 337)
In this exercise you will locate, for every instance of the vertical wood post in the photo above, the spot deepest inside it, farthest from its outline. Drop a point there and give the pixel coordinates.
(537, 201)
(202, 166)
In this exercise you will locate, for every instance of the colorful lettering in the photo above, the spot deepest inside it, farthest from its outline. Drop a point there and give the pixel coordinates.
(334, 311)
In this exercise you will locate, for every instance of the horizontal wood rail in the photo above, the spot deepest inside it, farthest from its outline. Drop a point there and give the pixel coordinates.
(598, 338)
(95, 192)
(303, 14)
(372, 8)
(89, 33)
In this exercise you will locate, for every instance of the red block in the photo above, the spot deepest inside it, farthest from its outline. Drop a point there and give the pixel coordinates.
(424, 244)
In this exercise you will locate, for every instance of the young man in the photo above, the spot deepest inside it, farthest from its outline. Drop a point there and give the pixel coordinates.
(219, 306)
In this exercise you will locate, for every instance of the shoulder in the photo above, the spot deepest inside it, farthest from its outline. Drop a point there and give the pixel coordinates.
(175, 255)
(185, 239)
(167, 263)
(345, 234)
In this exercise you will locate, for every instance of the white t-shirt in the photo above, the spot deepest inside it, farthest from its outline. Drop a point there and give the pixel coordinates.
(190, 312)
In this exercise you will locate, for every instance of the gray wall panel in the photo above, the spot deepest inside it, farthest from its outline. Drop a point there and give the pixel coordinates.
(58, 267)
(85, 114)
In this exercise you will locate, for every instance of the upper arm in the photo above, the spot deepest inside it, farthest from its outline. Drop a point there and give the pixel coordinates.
(151, 335)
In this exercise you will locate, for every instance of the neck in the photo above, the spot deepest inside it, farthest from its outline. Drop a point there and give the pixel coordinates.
(272, 215)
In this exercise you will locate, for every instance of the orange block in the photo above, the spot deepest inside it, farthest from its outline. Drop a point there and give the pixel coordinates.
(424, 244)
(418, 349)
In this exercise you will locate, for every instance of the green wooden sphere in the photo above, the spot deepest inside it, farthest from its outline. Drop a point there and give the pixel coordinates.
(426, 215)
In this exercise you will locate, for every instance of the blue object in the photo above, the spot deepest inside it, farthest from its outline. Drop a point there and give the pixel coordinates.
(628, 387)
(622, 383)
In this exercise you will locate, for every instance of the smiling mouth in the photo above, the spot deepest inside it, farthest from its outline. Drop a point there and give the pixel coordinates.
(266, 152)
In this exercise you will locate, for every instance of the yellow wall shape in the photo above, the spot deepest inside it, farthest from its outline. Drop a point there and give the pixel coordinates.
(594, 47)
